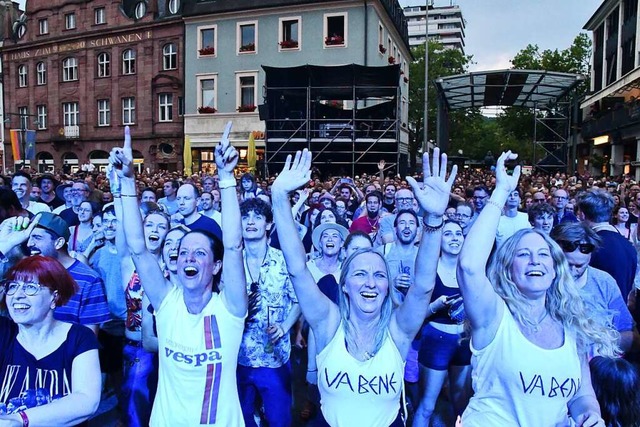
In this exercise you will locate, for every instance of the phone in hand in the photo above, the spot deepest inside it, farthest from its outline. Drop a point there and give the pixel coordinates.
(453, 297)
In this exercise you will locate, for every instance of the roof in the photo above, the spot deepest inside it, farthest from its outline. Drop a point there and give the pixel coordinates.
(600, 14)
(520, 88)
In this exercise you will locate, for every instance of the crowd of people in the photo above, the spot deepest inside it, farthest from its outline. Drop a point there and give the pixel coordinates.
(299, 300)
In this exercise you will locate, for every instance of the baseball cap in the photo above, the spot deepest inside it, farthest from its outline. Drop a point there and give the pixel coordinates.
(53, 223)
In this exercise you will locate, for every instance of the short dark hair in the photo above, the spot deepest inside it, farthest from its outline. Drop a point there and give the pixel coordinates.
(217, 248)
(405, 211)
(482, 188)
(145, 189)
(538, 209)
(575, 232)
(258, 206)
(22, 174)
(616, 384)
(595, 204)
(374, 193)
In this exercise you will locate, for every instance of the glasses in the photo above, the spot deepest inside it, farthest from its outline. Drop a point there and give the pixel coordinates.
(479, 197)
(461, 215)
(585, 248)
(78, 191)
(404, 199)
(539, 200)
(29, 288)
(84, 211)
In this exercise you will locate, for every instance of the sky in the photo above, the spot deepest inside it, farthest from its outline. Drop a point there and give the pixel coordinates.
(498, 29)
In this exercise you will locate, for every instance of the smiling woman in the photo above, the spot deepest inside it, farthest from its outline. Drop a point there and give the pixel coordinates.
(49, 370)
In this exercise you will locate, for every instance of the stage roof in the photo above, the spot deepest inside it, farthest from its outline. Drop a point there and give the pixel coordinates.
(520, 88)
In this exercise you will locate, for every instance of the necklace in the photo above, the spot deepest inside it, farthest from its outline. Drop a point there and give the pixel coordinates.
(536, 326)
(374, 225)
(254, 282)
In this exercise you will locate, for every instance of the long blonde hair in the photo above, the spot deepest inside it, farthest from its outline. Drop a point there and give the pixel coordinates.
(563, 302)
(388, 305)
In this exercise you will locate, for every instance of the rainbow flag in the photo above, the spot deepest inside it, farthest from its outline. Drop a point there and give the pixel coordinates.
(16, 144)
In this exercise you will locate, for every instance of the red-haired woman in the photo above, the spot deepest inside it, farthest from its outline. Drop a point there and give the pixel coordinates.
(49, 370)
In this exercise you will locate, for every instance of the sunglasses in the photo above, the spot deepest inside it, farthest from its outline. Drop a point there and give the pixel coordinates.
(585, 248)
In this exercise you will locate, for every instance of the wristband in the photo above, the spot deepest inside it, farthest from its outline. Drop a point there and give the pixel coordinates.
(129, 195)
(312, 370)
(227, 183)
(494, 203)
(25, 418)
(430, 228)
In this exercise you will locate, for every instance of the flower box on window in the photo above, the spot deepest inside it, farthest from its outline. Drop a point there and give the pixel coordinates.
(289, 44)
(382, 49)
(334, 40)
(206, 110)
(249, 47)
(247, 108)
(208, 50)
(392, 60)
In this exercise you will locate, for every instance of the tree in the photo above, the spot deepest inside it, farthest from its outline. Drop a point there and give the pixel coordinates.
(442, 62)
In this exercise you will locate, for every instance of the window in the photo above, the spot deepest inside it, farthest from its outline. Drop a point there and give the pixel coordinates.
(246, 92)
(180, 106)
(41, 73)
(289, 33)
(128, 111)
(335, 29)
(207, 90)
(43, 26)
(70, 21)
(381, 47)
(247, 37)
(42, 116)
(141, 10)
(104, 112)
(207, 40)
(21, 30)
(69, 69)
(22, 76)
(100, 16)
(169, 57)
(24, 117)
(128, 62)
(70, 114)
(174, 6)
(104, 65)
(165, 107)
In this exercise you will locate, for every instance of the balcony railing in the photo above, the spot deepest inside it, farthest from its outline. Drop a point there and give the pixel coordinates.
(72, 132)
(616, 118)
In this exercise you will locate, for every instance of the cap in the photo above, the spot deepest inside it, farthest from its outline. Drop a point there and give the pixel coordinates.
(317, 232)
(53, 223)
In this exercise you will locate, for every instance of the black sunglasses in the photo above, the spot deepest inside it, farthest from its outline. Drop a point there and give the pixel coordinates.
(585, 248)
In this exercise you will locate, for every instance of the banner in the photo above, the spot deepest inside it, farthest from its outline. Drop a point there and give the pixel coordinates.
(16, 144)
(186, 156)
(30, 146)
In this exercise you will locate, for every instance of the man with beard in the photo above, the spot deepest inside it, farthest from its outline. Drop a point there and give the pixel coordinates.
(369, 223)
(208, 202)
(187, 201)
(79, 193)
(170, 199)
(21, 185)
(88, 306)
(403, 201)
(389, 202)
(401, 254)
(47, 184)
(263, 360)
(511, 220)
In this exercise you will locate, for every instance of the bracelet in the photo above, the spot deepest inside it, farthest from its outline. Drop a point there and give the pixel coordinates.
(312, 370)
(431, 228)
(130, 195)
(494, 203)
(227, 183)
(25, 418)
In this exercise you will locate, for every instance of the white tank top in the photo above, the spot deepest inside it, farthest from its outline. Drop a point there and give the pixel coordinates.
(198, 357)
(517, 383)
(355, 393)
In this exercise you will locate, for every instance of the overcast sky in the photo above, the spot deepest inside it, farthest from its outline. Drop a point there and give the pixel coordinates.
(497, 29)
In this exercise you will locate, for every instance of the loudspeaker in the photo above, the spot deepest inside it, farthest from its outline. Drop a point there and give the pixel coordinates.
(263, 111)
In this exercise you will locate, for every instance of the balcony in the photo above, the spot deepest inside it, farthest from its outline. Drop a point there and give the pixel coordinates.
(618, 117)
(72, 132)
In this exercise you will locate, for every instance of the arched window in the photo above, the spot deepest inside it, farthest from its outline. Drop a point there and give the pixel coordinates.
(41, 73)
(69, 69)
(169, 57)
(104, 65)
(129, 62)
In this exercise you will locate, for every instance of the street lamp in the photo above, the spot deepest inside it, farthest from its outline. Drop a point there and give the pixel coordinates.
(425, 143)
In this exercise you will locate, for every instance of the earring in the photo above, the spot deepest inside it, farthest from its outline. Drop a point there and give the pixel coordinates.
(53, 306)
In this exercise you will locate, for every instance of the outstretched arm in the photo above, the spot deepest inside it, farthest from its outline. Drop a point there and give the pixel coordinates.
(234, 286)
(156, 286)
(433, 198)
(315, 306)
(480, 300)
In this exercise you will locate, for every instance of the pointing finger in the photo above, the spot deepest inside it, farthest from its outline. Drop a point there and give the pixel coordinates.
(127, 138)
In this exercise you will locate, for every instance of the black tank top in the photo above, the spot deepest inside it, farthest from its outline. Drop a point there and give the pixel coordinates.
(440, 289)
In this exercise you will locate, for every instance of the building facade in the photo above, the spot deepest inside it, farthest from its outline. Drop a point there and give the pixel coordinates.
(611, 110)
(227, 42)
(446, 25)
(79, 72)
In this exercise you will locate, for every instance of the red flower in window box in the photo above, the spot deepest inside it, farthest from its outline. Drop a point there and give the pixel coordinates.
(382, 49)
(207, 50)
(391, 60)
(334, 40)
(249, 47)
(246, 108)
(206, 110)
(401, 73)
(289, 44)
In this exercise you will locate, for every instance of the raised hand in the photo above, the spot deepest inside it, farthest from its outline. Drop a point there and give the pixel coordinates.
(433, 196)
(294, 174)
(381, 165)
(226, 154)
(121, 159)
(505, 181)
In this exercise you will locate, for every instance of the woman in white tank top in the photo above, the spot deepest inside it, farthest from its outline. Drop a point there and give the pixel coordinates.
(363, 342)
(529, 328)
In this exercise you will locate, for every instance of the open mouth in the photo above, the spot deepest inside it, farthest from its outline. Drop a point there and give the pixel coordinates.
(34, 251)
(153, 238)
(190, 271)
(369, 295)
(173, 257)
(20, 307)
(535, 273)
(330, 245)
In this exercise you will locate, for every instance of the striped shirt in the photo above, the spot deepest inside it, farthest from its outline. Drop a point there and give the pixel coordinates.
(88, 306)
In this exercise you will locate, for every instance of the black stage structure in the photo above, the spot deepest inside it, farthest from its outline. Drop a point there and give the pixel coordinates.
(551, 96)
(348, 116)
